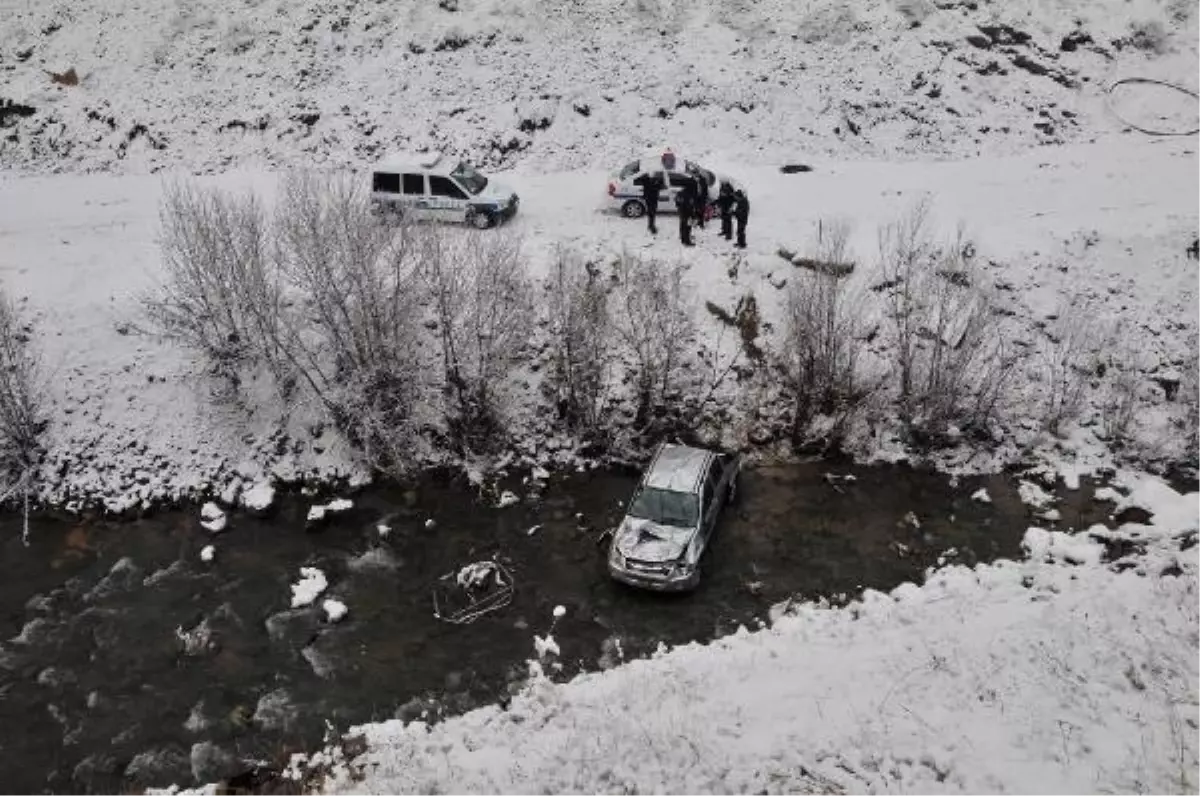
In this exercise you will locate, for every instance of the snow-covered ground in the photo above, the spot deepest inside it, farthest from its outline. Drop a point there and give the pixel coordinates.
(1043, 676)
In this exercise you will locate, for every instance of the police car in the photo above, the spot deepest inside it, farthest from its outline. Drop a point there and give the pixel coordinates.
(431, 187)
(625, 195)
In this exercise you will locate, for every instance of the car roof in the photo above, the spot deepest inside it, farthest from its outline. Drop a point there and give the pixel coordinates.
(677, 468)
(414, 162)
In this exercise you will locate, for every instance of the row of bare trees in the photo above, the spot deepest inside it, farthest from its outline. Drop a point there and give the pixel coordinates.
(372, 319)
(394, 329)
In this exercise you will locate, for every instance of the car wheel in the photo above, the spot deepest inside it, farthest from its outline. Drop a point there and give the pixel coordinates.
(633, 209)
(479, 219)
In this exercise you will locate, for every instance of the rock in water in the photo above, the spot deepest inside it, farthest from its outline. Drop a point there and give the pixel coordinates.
(211, 763)
(276, 711)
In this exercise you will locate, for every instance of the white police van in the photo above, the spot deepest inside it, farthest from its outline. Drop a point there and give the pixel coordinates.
(430, 187)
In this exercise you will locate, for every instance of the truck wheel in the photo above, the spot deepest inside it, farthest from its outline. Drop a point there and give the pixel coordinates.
(479, 219)
(633, 209)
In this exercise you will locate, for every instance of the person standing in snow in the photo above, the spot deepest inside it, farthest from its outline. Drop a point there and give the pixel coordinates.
(701, 198)
(725, 202)
(741, 211)
(685, 203)
(652, 186)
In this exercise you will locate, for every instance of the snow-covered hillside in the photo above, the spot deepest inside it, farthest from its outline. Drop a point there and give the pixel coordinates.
(559, 84)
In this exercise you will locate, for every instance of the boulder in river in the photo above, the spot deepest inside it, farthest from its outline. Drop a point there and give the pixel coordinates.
(124, 576)
(211, 763)
(276, 711)
(158, 766)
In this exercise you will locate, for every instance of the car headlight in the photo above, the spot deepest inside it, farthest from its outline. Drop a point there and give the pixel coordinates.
(682, 570)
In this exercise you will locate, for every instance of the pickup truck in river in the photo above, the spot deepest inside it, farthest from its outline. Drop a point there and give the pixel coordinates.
(671, 518)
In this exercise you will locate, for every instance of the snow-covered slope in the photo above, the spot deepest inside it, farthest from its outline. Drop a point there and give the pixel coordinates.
(562, 83)
(1035, 677)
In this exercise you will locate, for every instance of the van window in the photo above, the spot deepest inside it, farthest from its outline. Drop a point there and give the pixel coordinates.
(630, 170)
(414, 184)
(680, 180)
(443, 186)
(385, 183)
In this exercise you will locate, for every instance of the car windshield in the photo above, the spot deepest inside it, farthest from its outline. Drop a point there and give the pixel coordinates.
(470, 179)
(665, 507)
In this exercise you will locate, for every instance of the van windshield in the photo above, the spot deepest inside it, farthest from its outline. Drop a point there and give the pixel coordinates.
(665, 507)
(470, 179)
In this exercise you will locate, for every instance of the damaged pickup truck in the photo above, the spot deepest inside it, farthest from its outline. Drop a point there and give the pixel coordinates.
(671, 519)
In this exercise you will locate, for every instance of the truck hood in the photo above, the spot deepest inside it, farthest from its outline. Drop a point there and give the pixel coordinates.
(644, 540)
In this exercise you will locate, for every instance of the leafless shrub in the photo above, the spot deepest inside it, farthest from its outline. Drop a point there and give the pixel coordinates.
(1120, 400)
(1189, 406)
(951, 358)
(349, 329)
(480, 293)
(1149, 35)
(582, 341)
(652, 320)
(1078, 339)
(819, 352)
(22, 408)
(218, 285)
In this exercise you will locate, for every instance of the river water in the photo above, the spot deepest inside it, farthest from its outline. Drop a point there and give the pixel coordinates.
(107, 684)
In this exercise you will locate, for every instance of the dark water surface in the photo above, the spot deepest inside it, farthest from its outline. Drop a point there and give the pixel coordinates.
(99, 693)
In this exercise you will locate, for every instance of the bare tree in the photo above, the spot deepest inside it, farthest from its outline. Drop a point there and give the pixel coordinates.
(217, 286)
(652, 320)
(350, 329)
(1078, 339)
(581, 341)
(818, 355)
(478, 287)
(951, 357)
(320, 292)
(22, 409)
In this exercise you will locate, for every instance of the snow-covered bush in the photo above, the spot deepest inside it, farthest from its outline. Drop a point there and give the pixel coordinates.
(479, 291)
(217, 291)
(951, 358)
(652, 322)
(818, 355)
(1078, 340)
(22, 411)
(581, 344)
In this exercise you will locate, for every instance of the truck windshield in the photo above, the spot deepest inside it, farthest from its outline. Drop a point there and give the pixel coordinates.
(470, 179)
(666, 508)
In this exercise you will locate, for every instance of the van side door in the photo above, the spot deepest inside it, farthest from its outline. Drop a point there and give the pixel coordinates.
(448, 202)
(415, 196)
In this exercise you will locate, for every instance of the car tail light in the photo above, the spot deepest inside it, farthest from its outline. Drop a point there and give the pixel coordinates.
(612, 189)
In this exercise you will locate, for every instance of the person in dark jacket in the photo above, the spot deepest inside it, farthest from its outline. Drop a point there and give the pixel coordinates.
(652, 186)
(741, 211)
(725, 202)
(701, 207)
(685, 204)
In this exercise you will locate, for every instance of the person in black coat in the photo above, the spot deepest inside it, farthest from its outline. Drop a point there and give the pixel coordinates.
(725, 202)
(741, 211)
(652, 186)
(685, 203)
(701, 199)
